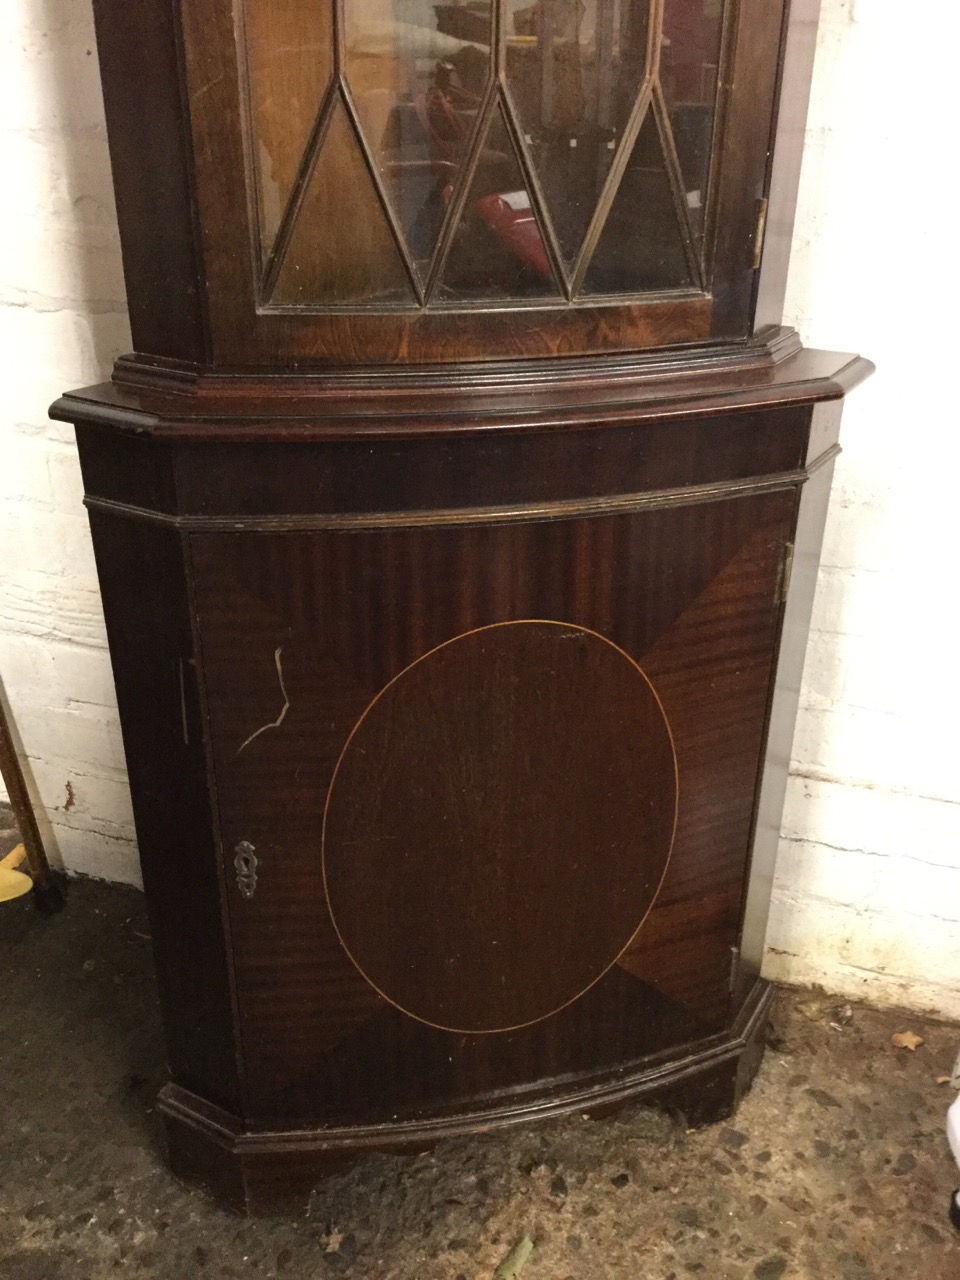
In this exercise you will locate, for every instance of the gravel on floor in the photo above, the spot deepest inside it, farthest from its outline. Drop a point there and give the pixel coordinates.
(835, 1167)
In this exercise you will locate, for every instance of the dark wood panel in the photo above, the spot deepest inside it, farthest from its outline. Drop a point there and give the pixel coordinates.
(499, 824)
(143, 582)
(743, 163)
(476, 471)
(720, 735)
(686, 948)
(793, 100)
(149, 148)
(346, 612)
(138, 471)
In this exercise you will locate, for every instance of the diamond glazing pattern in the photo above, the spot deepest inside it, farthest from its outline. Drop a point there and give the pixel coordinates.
(405, 153)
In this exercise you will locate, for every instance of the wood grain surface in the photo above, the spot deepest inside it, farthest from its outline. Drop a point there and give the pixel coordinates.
(688, 593)
(505, 806)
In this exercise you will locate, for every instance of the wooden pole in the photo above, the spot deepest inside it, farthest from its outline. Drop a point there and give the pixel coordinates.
(12, 774)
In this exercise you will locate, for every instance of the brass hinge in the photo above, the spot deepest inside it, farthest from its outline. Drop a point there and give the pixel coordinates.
(759, 235)
(785, 574)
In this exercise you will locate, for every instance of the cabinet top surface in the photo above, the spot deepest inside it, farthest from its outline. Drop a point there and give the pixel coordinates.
(437, 403)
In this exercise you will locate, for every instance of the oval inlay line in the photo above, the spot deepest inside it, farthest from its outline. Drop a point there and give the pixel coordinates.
(499, 824)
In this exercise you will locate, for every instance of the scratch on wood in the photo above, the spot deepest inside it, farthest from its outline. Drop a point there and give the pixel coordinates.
(205, 88)
(183, 708)
(274, 724)
(71, 798)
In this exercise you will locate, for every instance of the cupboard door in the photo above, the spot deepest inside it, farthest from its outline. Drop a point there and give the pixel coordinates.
(485, 795)
(482, 181)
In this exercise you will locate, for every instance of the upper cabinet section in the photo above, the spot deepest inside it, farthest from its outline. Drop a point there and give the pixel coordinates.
(384, 181)
(404, 153)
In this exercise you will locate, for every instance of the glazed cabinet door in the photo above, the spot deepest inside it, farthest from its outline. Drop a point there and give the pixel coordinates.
(358, 181)
(484, 794)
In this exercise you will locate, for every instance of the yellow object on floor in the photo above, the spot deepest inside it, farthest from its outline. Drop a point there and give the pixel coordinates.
(13, 883)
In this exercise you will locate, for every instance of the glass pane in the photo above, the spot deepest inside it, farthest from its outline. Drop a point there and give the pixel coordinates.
(417, 71)
(341, 249)
(497, 250)
(689, 66)
(574, 71)
(289, 62)
(641, 247)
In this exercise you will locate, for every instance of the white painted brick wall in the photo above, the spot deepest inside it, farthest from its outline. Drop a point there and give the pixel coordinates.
(62, 323)
(867, 898)
(867, 895)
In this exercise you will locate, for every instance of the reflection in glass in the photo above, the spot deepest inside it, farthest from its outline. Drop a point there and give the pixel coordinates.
(417, 72)
(498, 249)
(289, 63)
(587, 90)
(574, 71)
(641, 247)
(689, 66)
(341, 249)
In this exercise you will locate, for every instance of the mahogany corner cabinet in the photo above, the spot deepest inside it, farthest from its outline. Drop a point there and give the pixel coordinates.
(457, 518)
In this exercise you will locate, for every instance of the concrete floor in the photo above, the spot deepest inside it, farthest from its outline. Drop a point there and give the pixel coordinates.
(835, 1167)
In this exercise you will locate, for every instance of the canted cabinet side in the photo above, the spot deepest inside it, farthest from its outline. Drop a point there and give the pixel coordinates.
(145, 597)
